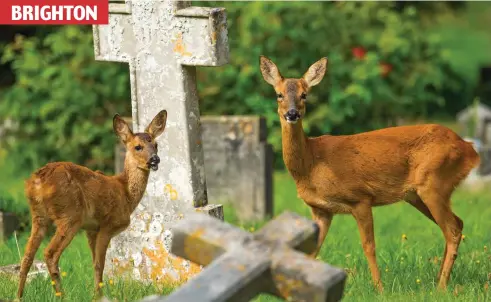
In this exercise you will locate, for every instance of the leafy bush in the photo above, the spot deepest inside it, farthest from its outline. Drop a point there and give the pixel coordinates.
(382, 63)
(12, 199)
(62, 101)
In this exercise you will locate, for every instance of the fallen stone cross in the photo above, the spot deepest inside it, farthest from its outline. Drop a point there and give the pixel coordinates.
(241, 265)
(163, 42)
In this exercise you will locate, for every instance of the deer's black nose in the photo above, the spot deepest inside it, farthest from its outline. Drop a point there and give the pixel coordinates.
(155, 160)
(292, 115)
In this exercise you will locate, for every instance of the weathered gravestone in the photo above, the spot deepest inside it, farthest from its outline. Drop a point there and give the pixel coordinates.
(12, 271)
(241, 265)
(238, 164)
(475, 126)
(8, 224)
(163, 41)
(485, 149)
(472, 122)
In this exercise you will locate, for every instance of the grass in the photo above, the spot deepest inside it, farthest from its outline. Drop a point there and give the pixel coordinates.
(402, 262)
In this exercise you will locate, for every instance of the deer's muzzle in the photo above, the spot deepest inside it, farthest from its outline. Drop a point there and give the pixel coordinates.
(153, 163)
(292, 116)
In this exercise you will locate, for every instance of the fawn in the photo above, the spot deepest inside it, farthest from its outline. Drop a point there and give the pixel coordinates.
(72, 197)
(350, 174)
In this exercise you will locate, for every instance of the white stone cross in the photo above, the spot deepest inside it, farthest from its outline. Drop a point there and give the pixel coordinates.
(163, 41)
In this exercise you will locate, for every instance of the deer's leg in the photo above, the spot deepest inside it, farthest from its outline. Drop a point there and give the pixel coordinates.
(417, 203)
(38, 231)
(102, 243)
(62, 238)
(91, 238)
(451, 226)
(323, 220)
(364, 219)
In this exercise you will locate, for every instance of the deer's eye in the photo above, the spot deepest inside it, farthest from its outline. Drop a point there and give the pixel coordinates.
(138, 148)
(303, 96)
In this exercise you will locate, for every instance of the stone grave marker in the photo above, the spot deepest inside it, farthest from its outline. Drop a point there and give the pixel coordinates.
(468, 119)
(242, 265)
(475, 129)
(485, 149)
(8, 224)
(12, 271)
(238, 164)
(163, 42)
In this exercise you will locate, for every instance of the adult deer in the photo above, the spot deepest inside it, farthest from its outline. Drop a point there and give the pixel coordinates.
(350, 174)
(73, 197)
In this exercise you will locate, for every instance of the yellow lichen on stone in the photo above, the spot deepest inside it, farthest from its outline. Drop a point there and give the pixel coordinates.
(172, 192)
(119, 268)
(196, 248)
(286, 286)
(162, 261)
(179, 46)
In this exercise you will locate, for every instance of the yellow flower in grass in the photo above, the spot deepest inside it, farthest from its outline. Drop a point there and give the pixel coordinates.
(111, 282)
(53, 282)
(58, 294)
(418, 281)
(252, 229)
(463, 237)
(63, 274)
(101, 284)
(404, 237)
(478, 261)
(386, 270)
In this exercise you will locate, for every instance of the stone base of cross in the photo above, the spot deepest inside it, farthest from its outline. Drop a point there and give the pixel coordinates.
(240, 265)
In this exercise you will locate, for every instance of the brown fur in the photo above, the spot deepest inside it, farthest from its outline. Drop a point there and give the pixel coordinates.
(73, 197)
(350, 174)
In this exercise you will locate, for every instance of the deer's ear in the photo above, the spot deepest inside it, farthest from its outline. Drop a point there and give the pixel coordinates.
(157, 126)
(316, 72)
(122, 129)
(270, 71)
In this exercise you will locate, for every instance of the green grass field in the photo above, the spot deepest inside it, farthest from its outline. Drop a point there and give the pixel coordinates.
(408, 267)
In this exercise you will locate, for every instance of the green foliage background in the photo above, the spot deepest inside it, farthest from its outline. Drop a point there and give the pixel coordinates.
(62, 100)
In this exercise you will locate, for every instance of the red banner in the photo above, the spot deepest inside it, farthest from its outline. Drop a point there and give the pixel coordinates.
(46, 12)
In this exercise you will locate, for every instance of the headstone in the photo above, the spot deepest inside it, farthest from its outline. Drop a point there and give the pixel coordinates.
(485, 149)
(467, 125)
(163, 42)
(238, 164)
(474, 175)
(8, 225)
(241, 265)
